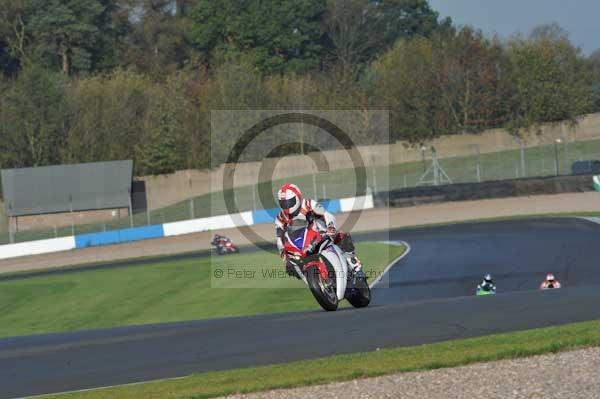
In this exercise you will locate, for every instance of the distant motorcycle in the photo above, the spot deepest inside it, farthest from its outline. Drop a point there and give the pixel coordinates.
(323, 267)
(485, 290)
(224, 246)
(550, 283)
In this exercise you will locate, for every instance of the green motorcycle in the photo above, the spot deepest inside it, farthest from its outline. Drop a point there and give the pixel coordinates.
(485, 291)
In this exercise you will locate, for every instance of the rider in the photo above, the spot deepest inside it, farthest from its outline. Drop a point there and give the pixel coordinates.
(293, 207)
(550, 282)
(218, 238)
(487, 284)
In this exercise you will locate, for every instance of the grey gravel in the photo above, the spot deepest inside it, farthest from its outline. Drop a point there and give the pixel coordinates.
(569, 375)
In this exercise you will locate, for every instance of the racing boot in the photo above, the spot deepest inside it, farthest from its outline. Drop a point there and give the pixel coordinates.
(355, 266)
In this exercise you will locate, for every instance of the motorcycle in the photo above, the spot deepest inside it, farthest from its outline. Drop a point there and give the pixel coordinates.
(322, 265)
(483, 291)
(224, 246)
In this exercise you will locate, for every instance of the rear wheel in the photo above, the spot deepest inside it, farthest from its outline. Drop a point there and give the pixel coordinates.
(360, 297)
(324, 290)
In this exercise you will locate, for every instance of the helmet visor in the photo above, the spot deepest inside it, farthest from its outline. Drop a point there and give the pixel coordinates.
(287, 203)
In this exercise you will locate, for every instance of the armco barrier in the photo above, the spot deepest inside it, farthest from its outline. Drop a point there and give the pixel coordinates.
(207, 224)
(37, 247)
(169, 229)
(119, 236)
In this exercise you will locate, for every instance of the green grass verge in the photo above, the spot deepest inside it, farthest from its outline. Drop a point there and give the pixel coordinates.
(360, 365)
(163, 291)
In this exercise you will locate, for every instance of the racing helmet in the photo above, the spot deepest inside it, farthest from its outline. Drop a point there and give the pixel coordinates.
(289, 198)
(550, 277)
(488, 279)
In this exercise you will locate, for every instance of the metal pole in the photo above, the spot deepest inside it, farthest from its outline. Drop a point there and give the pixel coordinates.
(523, 170)
(315, 185)
(566, 149)
(374, 179)
(478, 163)
(192, 211)
(436, 167)
(130, 211)
(254, 196)
(423, 157)
(324, 191)
(11, 236)
(147, 205)
(556, 158)
(71, 211)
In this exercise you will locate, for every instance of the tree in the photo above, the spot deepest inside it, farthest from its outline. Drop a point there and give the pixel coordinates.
(162, 148)
(274, 35)
(35, 120)
(551, 80)
(109, 116)
(74, 35)
(594, 60)
(472, 74)
(159, 41)
(360, 30)
(13, 37)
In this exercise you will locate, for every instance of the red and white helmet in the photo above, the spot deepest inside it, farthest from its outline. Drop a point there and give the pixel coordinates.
(289, 198)
(550, 277)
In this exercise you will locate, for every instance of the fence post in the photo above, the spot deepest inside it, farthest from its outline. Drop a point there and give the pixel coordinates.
(566, 150)
(72, 217)
(130, 211)
(11, 236)
(556, 156)
(478, 168)
(523, 169)
(147, 205)
(192, 210)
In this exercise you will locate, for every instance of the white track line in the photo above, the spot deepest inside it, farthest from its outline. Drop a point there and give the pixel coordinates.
(591, 219)
(398, 259)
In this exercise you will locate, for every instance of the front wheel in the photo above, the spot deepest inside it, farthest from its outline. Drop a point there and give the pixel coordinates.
(324, 290)
(360, 296)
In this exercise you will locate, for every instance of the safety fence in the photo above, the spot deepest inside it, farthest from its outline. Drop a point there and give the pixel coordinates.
(169, 229)
(466, 162)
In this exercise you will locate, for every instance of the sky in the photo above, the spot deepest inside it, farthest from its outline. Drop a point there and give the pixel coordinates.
(581, 18)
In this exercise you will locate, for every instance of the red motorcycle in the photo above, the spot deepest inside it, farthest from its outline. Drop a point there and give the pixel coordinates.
(224, 246)
(323, 267)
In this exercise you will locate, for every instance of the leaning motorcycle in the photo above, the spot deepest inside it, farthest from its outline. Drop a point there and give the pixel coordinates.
(224, 247)
(322, 265)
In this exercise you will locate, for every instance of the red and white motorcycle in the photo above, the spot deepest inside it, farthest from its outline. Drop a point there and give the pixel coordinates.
(322, 265)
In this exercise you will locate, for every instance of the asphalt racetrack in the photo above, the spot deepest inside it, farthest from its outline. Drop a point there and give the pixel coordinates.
(427, 298)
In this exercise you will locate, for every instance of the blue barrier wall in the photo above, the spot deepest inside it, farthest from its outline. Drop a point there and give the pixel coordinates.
(332, 206)
(118, 236)
(269, 215)
(264, 215)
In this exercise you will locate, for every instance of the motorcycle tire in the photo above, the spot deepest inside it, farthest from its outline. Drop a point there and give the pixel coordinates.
(221, 251)
(328, 301)
(361, 294)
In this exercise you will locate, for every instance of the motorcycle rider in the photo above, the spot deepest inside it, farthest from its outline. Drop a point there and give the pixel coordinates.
(550, 282)
(294, 207)
(487, 284)
(218, 238)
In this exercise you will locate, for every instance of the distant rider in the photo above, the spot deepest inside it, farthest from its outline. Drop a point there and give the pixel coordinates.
(550, 282)
(217, 239)
(487, 284)
(293, 207)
